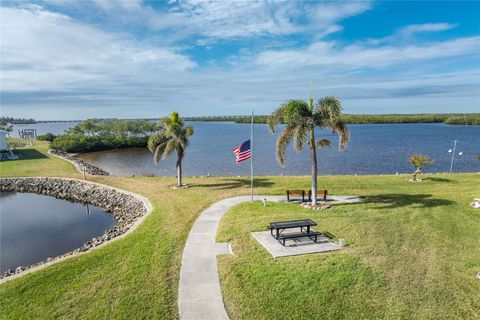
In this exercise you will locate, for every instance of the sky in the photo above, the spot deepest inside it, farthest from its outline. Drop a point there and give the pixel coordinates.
(145, 59)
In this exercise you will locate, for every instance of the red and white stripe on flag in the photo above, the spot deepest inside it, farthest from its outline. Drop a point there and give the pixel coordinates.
(242, 152)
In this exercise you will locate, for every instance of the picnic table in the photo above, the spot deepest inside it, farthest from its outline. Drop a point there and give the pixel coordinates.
(277, 229)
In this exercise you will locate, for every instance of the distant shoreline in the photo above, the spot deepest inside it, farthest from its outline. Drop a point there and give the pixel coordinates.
(447, 118)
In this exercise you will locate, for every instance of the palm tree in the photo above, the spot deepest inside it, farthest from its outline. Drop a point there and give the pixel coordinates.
(301, 118)
(173, 136)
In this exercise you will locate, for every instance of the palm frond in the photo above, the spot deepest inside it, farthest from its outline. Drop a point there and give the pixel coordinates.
(283, 140)
(171, 145)
(291, 112)
(328, 110)
(154, 140)
(343, 133)
(275, 119)
(323, 143)
(301, 136)
(328, 114)
(158, 153)
(188, 131)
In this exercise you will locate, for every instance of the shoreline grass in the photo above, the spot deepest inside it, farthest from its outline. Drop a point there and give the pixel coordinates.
(137, 277)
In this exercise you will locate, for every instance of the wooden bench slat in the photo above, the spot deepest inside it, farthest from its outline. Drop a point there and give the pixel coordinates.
(296, 193)
(322, 193)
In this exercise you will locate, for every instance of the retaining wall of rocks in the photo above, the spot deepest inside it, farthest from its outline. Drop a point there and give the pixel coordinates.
(126, 208)
(81, 165)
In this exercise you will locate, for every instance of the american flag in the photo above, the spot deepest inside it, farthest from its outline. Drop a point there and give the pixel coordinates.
(242, 152)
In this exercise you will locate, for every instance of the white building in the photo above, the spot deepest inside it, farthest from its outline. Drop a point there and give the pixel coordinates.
(3, 141)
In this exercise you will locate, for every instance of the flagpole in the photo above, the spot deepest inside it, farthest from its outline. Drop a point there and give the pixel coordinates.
(251, 159)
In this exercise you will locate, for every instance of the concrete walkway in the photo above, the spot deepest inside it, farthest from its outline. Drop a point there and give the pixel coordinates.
(200, 296)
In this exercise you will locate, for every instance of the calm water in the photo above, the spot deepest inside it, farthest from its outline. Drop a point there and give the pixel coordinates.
(35, 227)
(373, 149)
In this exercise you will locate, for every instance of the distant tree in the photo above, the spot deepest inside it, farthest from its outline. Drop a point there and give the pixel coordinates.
(105, 134)
(301, 118)
(478, 157)
(46, 137)
(420, 162)
(173, 136)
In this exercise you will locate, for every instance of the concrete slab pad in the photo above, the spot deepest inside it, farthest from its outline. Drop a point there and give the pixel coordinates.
(294, 247)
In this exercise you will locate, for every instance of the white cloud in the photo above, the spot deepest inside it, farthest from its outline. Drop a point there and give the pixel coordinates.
(115, 5)
(45, 50)
(361, 55)
(425, 27)
(50, 60)
(327, 15)
(215, 20)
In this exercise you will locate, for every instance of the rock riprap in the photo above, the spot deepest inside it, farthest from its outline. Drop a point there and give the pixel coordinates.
(125, 208)
(81, 165)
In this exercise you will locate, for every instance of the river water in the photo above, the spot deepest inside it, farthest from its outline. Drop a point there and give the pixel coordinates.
(35, 227)
(373, 149)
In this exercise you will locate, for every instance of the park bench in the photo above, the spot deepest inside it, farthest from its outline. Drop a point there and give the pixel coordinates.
(321, 195)
(299, 193)
(277, 228)
(285, 236)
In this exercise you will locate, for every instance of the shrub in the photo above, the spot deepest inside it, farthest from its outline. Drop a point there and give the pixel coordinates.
(419, 162)
(46, 137)
(97, 135)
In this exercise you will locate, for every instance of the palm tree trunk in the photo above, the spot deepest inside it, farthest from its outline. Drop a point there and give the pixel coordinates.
(179, 173)
(415, 174)
(313, 160)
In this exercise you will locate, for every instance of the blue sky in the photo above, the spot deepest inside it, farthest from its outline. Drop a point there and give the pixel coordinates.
(134, 59)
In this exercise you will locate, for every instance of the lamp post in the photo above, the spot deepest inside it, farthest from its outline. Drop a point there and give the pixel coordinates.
(453, 154)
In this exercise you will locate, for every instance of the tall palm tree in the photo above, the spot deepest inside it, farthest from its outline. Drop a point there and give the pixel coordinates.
(301, 118)
(172, 136)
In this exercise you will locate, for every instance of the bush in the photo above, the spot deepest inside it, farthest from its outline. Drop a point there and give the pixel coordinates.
(473, 119)
(46, 137)
(97, 135)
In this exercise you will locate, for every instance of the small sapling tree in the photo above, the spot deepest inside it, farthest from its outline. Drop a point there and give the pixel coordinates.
(420, 162)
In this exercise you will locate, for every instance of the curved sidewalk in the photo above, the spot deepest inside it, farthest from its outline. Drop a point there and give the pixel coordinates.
(200, 295)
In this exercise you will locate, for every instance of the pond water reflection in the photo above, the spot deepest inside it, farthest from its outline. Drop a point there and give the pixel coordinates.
(35, 227)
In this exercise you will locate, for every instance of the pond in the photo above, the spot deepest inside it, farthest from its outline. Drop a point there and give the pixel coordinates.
(35, 227)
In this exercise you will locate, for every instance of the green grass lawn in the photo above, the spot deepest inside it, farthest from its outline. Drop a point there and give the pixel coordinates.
(34, 161)
(413, 252)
